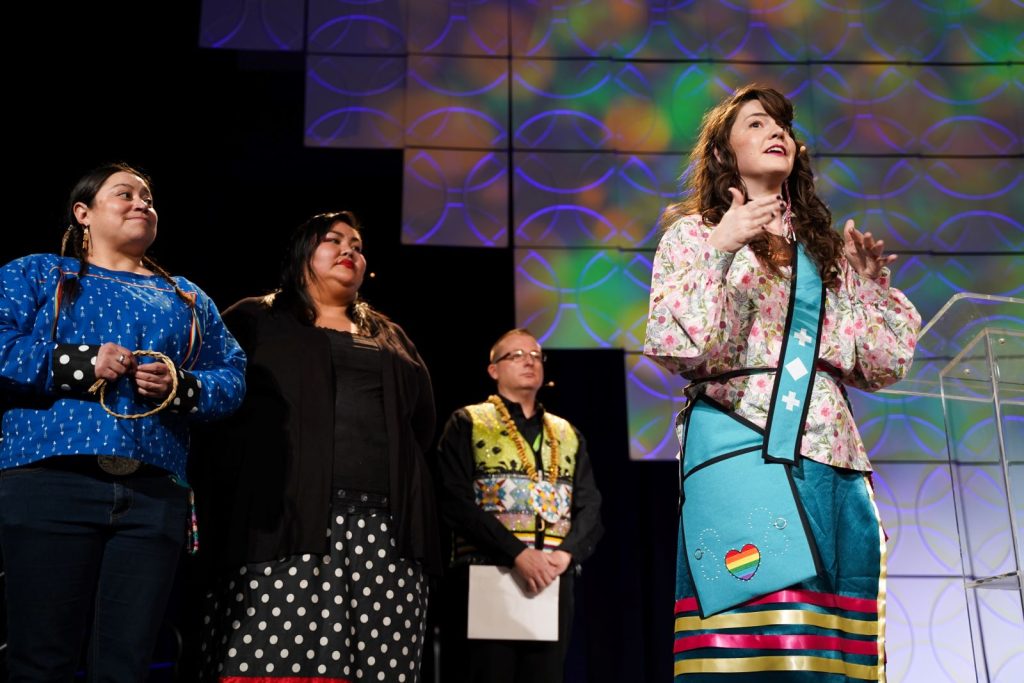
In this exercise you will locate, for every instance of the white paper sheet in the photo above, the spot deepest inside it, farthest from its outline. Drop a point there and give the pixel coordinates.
(499, 608)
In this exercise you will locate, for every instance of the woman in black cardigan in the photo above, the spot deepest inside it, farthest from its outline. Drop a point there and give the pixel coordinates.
(316, 507)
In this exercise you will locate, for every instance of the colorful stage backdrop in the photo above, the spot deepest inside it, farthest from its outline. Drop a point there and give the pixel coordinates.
(559, 130)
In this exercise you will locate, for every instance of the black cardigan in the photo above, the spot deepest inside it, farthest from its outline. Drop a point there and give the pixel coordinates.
(263, 477)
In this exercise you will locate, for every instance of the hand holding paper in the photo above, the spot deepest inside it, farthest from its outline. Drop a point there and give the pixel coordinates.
(560, 560)
(534, 569)
(500, 609)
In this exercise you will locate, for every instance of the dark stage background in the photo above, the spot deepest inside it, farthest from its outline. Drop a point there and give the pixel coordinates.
(221, 134)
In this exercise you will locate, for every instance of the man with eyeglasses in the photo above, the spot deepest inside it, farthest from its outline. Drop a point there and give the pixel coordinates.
(517, 489)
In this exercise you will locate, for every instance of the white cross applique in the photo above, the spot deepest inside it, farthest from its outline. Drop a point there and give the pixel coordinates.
(803, 337)
(791, 401)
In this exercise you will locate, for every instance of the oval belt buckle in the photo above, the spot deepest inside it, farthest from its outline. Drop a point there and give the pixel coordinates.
(117, 466)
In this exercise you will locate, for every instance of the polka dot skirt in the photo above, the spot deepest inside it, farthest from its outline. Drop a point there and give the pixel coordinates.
(356, 614)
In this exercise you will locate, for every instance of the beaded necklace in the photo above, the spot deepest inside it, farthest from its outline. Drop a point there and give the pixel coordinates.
(517, 441)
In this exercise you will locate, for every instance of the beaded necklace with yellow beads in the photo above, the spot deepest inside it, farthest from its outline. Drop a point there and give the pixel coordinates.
(544, 496)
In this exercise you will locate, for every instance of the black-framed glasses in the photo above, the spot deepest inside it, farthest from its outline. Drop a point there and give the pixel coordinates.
(519, 356)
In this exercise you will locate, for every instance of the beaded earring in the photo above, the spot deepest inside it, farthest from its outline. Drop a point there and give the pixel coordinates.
(787, 217)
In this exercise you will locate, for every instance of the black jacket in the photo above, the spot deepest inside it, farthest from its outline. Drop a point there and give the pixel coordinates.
(263, 478)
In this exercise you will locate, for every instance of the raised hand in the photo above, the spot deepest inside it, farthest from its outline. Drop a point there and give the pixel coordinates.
(864, 253)
(745, 221)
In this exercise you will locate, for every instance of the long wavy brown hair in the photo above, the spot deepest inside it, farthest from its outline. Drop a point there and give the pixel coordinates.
(712, 170)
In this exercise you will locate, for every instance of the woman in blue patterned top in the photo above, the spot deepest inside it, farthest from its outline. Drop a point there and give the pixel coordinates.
(93, 505)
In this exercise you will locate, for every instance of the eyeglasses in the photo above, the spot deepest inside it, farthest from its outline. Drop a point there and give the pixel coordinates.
(519, 356)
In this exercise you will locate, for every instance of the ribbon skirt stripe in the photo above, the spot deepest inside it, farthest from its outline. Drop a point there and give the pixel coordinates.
(828, 629)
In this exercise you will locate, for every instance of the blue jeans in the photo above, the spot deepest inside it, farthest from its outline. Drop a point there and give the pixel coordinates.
(85, 552)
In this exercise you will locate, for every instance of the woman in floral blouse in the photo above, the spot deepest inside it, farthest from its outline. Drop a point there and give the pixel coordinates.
(718, 315)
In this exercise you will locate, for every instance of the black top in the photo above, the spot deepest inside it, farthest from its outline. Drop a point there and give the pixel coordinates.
(263, 477)
(360, 432)
(456, 466)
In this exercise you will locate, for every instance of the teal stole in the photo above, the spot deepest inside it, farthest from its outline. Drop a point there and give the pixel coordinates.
(744, 532)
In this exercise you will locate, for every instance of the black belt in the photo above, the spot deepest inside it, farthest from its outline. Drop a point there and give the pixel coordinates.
(101, 465)
(357, 501)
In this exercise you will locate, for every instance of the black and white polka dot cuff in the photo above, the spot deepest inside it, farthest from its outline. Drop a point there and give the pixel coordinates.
(74, 367)
(187, 398)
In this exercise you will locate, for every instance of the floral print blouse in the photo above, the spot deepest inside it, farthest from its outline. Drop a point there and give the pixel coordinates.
(712, 312)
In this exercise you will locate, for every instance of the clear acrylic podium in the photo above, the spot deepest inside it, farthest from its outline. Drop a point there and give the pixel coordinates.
(971, 357)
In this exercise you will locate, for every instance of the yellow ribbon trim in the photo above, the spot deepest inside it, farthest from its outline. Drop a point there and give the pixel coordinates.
(777, 617)
(752, 664)
(531, 536)
(882, 579)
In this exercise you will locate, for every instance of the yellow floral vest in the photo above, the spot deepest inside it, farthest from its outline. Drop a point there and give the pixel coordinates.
(502, 487)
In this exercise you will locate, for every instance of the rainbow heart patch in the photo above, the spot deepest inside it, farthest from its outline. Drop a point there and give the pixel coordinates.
(743, 564)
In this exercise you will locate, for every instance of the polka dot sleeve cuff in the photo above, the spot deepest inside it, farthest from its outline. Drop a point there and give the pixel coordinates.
(74, 367)
(187, 399)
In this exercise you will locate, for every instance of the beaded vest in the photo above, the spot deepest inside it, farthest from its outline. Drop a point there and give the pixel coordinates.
(502, 486)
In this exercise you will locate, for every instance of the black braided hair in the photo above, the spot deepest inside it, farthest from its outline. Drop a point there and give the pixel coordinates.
(84, 192)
